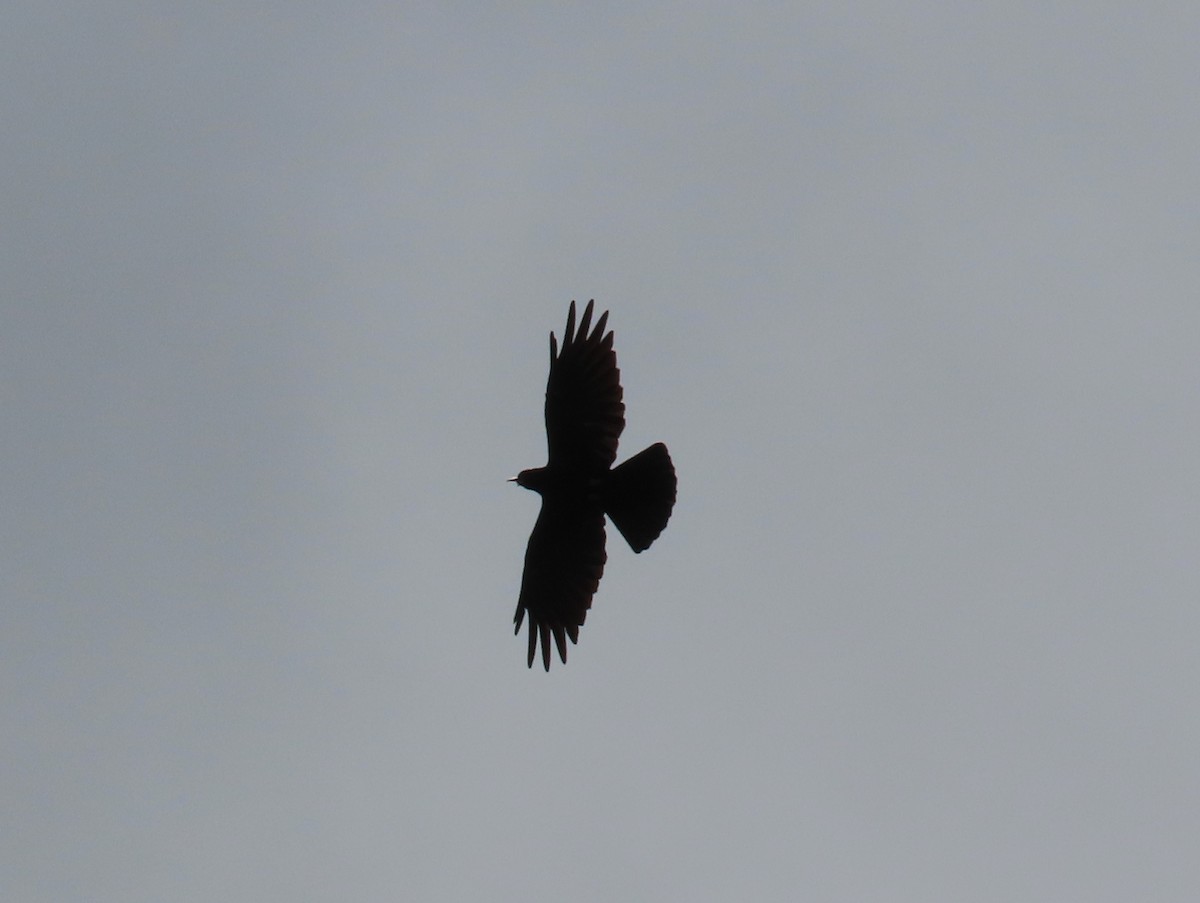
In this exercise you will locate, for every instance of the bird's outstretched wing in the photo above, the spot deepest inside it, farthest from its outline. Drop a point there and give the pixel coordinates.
(584, 411)
(563, 564)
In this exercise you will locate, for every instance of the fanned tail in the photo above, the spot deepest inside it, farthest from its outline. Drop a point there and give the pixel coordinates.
(640, 495)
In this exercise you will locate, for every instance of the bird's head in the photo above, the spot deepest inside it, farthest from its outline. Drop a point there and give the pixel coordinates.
(531, 479)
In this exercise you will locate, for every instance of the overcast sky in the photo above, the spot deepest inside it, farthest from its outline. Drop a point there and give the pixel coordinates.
(908, 289)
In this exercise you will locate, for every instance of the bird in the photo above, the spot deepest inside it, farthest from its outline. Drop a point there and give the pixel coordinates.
(565, 557)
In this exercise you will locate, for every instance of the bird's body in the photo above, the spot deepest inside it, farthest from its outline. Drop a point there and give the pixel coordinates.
(585, 415)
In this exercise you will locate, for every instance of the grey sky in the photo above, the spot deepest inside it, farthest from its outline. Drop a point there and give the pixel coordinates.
(909, 291)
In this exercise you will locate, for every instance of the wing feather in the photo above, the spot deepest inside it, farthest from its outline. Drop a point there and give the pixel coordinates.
(563, 564)
(585, 413)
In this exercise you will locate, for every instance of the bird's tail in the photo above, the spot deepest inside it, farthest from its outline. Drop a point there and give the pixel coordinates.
(640, 496)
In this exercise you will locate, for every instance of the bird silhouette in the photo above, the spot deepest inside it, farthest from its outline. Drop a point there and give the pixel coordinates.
(565, 557)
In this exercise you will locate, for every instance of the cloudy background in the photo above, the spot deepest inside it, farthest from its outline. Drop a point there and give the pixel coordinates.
(910, 291)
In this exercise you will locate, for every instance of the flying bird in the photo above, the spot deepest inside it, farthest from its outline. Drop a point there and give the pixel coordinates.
(579, 486)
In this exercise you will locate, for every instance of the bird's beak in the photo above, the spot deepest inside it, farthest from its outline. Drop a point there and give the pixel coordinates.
(512, 479)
